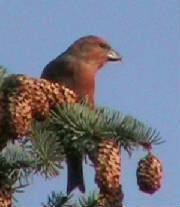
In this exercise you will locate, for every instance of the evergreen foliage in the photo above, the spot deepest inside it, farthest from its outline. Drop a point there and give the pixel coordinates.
(82, 128)
(16, 166)
(76, 128)
(60, 200)
(46, 149)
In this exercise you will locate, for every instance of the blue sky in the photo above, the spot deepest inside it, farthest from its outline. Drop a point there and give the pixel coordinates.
(144, 85)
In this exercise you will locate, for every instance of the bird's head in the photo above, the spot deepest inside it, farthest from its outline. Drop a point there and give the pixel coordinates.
(93, 51)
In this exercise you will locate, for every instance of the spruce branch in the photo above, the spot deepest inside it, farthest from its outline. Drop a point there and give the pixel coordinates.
(78, 126)
(15, 167)
(46, 150)
(58, 200)
(83, 127)
(89, 201)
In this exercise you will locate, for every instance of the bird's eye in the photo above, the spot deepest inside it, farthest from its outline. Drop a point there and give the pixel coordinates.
(104, 46)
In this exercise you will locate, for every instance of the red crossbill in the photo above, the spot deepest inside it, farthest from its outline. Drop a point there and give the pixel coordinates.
(76, 68)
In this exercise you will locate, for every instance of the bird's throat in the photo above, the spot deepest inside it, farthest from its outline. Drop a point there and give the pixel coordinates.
(82, 79)
(84, 85)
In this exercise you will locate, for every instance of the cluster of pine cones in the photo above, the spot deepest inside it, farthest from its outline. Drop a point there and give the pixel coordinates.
(109, 171)
(24, 99)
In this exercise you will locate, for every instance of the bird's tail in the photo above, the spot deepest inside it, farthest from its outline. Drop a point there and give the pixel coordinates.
(75, 174)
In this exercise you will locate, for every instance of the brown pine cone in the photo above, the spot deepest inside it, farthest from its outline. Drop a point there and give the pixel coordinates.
(30, 99)
(149, 174)
(108, 174)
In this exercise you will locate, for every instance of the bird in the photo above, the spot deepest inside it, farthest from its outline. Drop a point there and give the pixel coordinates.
(76, 69)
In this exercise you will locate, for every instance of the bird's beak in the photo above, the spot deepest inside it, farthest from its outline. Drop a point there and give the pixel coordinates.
(112, 55)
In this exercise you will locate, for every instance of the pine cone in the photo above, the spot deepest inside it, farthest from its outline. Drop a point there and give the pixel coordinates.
(108, 174)
(149, 174)
(29, 99)
(6, 197)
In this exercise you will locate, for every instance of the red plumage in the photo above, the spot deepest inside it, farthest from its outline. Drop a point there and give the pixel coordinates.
(76, 68)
